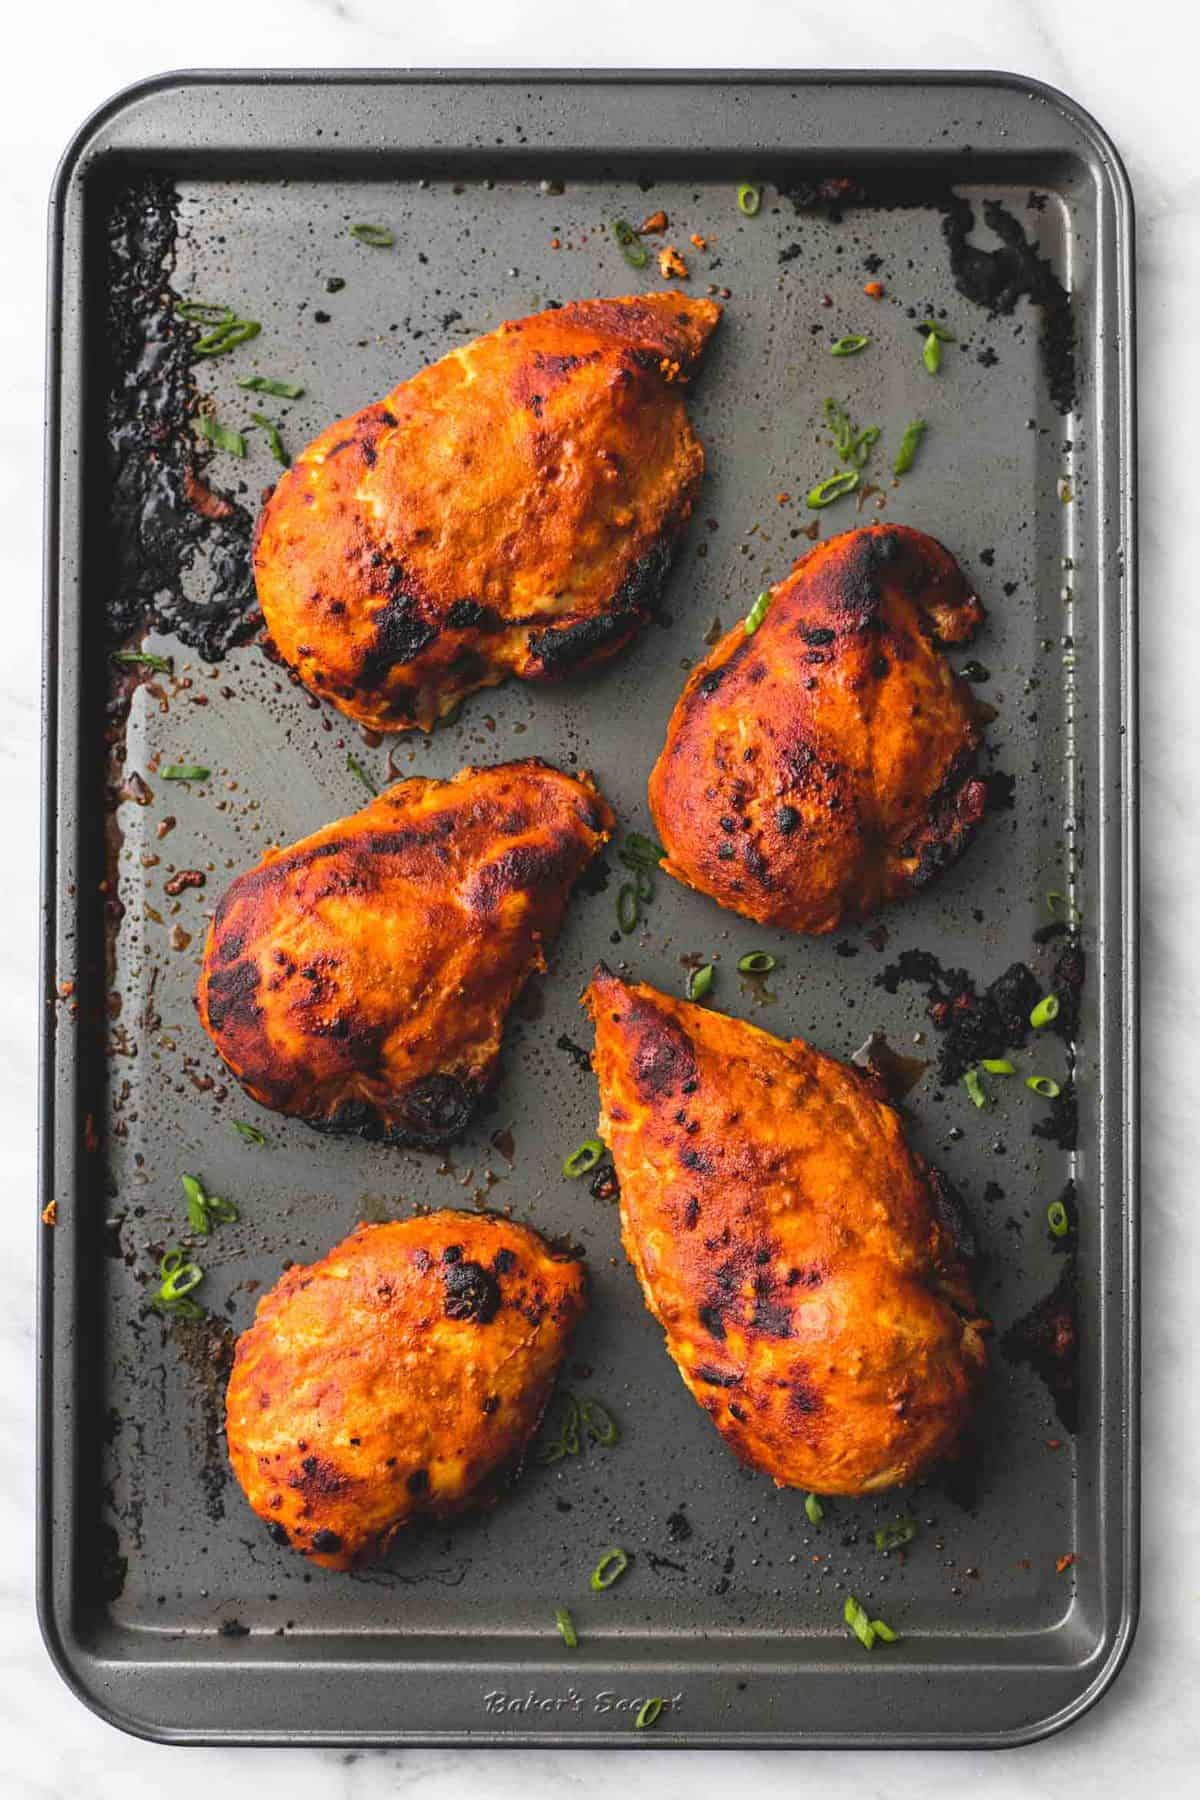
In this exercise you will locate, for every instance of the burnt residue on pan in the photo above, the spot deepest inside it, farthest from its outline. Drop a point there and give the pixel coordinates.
(179, 550)
(993, 279)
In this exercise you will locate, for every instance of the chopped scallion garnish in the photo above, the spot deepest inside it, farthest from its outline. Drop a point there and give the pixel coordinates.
(914, 431)
(938, 331)
(632, 247)
(376, 235)
(814, 1509)
(178, 1278)
(226, 336)
(974, 1087)
(200, 312)
(858, 1622)
(757, 613)
(931, 355)
(142, 659)
(185, 772)
(1058, 1219)
(251, 1133)
(638, 851)
(263, 384)
(1043, 1085)
(1062, 906)
(756, 962)
(650, 1709)
(628, 908)
(206, 1210)
(356, 769)
(610, 1568)
(749, 198)
(566, 1627)
(997, 1065)
(220, 435)
(274, 441)
(833, 487)
(895, 1536)
(599, 1423)
(699, 982)
(848, 346)
(583, 1160)
(1045, 1012)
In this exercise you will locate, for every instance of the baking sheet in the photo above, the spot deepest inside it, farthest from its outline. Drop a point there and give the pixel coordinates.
(162, 1598)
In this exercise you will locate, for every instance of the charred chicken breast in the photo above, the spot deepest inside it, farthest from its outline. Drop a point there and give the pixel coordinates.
(400, 1377)
(360, 979)
(510, 510)
(823, 765)
(800, 1258)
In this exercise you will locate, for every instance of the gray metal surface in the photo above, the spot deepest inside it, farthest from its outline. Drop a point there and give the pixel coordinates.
(453, 1639)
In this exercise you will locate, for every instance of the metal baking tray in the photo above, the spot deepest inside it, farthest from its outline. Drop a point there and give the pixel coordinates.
(164, 1604)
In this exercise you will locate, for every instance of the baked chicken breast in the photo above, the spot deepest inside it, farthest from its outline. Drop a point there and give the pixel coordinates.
(400, 1377)
(799, 1256)
(360, 979)
(823, 765)
(510, 510)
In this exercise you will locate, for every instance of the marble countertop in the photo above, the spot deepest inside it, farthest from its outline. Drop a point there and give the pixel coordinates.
(1132, 67)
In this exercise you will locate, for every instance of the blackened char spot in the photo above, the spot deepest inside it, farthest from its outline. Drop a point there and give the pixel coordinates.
(471, 1293)
(559, 650)
(952, 1215)
(466, 615)
(435, 1109)
(716, 1377)
(326, 1543)
(712, 1321)
(663, 1057)
(418, 1481)
(400, 636)
(233, 995)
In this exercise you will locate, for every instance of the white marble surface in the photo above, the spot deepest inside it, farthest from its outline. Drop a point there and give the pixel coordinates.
(1134, 67)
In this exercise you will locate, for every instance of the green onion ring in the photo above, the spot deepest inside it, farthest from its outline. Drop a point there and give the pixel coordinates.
(610, 1568)
(583, 1160)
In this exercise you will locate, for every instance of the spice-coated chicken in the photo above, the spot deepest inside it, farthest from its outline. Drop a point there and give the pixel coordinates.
(822, 765)
(400, 1377)
(799, 1256)
(510, 510)
(360, 979)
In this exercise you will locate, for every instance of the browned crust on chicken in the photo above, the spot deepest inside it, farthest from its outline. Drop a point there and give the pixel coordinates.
(511, 509)
(399, 1377)
(823, 766)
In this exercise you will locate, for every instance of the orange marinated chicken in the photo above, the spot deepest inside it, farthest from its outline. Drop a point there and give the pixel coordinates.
(821, 766)
(400, 1377)
(510, 510)
(800, 1257)
(360, 979)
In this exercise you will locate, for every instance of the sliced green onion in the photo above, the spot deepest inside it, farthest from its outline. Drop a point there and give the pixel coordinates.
(221, 1212)
(757, 613)
(226, 336)
(997, 1065)
(756, 962)
(566, 1627)
(749, 198)
(356, 768)
(642, 849)
(142, 659)
(895, 1536)
(814, 1509)
(200, 312)
(569, 1435)
(376, 235)
(219, 435)
(643, 884)
(196, 1209)
(1062, 906)
(848, 346)
(628, 910)
(274, 441)
(610, 1568)
(650, 1709)
(914, 431)
(699, 982)
(632, 247)
(178, 1279)
(599, 1423)
(833, 487)
(859, 449)
(583, 1160)
(838, 421)
(931, 326)
(931, 355)
(1043, 1085)
(858, 1622)
(974, 1087)
(1057, 1219)
(884, 1633)
(1045, 1012)
(251, 1133)
(263, 384)
(185, 772)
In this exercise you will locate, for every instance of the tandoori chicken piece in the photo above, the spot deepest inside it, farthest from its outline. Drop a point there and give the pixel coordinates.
(823, 764)
(400, 1377)
(360, 979)
(510, 510)
(801, 1259)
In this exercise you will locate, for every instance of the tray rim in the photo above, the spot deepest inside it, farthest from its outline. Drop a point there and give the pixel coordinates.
(72, 1659)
